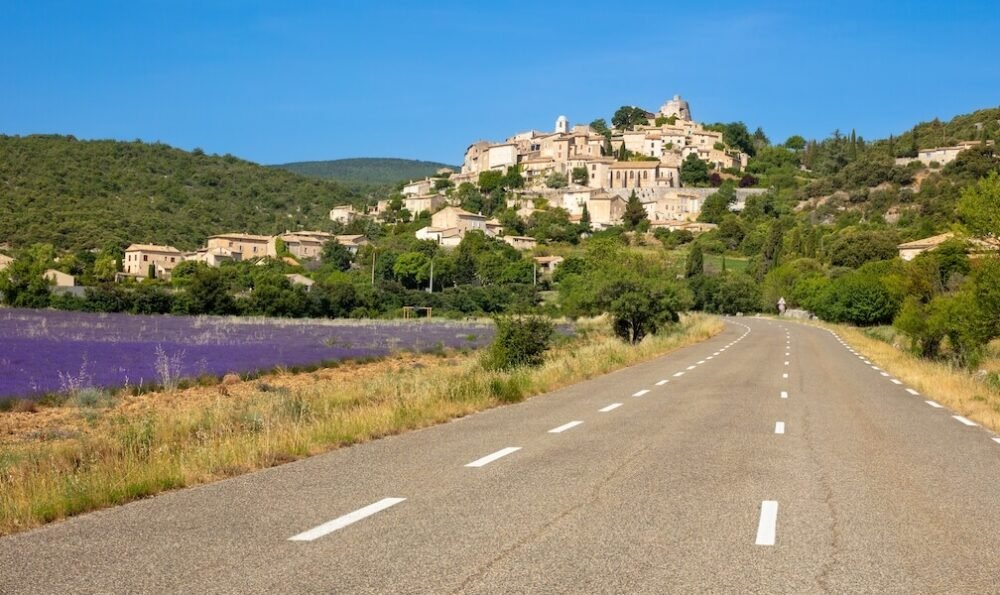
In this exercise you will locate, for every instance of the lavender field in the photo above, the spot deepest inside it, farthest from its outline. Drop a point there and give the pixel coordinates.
(48, 351)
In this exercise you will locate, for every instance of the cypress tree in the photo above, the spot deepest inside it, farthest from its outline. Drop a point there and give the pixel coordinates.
(696, 262)
(634, 212)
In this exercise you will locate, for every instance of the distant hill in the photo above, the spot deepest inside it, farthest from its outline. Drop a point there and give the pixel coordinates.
(88, 194)
(367, 170)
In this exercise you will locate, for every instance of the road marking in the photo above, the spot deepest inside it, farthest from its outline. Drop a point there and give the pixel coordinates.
(610, 407)
(767, 527)
(935, 405)
(717, 353)
(662, 382)
(894, 381)
(701, 362)
(710, 357)
(565, 427)
(912, 392)
(691, 367)
(779, 427)
(341, 522)
(787, 354)
(640, 393)
(785, 375)
(997, 440)
(497, 455)
(784, 394)
(875, 367)
(786, 363)
(886, 374)
(678, 374)
(965, 421)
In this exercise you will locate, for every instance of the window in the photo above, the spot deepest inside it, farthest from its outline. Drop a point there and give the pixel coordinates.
(631, 174)
(618, 175)
(145, 258)
(172, 259)
(255, 248)
(645, 174)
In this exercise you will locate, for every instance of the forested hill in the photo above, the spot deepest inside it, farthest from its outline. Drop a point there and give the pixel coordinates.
(365, 170)
(88, 194)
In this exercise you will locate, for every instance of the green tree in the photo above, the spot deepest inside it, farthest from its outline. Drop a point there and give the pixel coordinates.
(718, 205)
(635, 213)
(979, 206)
(490, 180)
(694, 171)
(600, 126)
(695, 262)
(580, 175)
(627, 117)
(336, 256)
(23, 283)
(412, 269)
(557, 180)
(795, 143)
(105, 268)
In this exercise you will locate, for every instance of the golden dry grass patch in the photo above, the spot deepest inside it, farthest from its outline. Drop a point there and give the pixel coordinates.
(953, 387)
(65, 461)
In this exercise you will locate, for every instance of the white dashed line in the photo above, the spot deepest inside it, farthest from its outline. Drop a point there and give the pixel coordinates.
(691, 367)
(965, 421)
(497, 455)
(875, 368)
(997, 440)
(786, 363)
(678, 374)
(640, 393)
(662, 382)
(784, 394)
(767, 528)
(779, 427)
(785, 375)
(341, 522)
(701, 362)
(710, 357)
(886, 374)
(934, 405)
(894, 381)
(564, 427)
(610, 407)
(912, 392)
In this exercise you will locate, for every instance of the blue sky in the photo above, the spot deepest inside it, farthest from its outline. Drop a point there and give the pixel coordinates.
(290, 81)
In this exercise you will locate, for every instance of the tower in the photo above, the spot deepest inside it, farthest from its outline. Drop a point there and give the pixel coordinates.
(677, 108)
(562, 125)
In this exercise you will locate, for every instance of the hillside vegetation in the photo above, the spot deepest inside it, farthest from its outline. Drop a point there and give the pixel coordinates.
(90, 194)
(365, 170)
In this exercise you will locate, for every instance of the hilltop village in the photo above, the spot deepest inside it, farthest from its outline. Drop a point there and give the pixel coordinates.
(590, 171)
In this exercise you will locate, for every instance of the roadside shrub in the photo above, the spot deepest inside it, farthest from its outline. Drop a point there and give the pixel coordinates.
(519, 342)
(858, 298)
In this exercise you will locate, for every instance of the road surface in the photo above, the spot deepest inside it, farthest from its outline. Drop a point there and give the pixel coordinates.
(769, 459)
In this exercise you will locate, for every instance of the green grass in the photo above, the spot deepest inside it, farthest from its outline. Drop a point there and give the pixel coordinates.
(713, 263)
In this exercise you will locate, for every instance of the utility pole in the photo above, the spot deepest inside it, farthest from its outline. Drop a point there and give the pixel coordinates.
(534, 272)
(373, 265)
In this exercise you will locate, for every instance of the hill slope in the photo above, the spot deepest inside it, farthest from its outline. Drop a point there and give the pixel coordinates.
(87, 194)
(365, 170)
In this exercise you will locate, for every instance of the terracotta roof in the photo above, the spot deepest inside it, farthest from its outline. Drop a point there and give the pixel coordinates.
(635, 164)
(152, 248)
(241, 236)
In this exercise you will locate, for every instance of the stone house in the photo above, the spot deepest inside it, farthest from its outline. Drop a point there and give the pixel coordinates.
(303, 245)
(352, 242)
(248, 245)
(521, 242)
(139, 259)
(547, 264)
(59, 278)
(214, 257)
(418, 204)
(605, 210)
(418, 187)
(344, 214)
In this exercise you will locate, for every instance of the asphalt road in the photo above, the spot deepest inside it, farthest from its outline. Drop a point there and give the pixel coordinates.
(730, 477)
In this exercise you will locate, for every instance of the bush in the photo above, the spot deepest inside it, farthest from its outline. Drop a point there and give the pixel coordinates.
(519, 342)
(859, 298)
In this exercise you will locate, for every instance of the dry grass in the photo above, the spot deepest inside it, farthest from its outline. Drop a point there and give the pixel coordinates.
(56, 463)
(955, 388)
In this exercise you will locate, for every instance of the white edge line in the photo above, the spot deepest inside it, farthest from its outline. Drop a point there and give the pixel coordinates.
(610, 407)
(912, 392)
(997, 440)
(767, 528)
(492, 457)
(564, 427)
(934, 405)
(965, 420)
(348, 519)
(894, 381)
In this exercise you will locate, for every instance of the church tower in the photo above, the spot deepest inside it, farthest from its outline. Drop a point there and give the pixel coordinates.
(562, 125)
